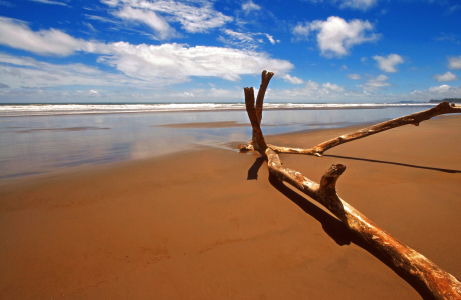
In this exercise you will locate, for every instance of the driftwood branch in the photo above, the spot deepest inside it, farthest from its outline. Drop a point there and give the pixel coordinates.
(439, 283)
(414, 119)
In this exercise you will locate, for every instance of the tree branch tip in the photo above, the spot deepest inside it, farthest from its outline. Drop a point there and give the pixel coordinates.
(337, 169)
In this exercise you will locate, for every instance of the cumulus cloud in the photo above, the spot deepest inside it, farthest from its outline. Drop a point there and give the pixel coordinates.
(354, 76)
(250, 6)
(438, 92)
(336, 36)
(148, 17)
(454, 62)
(292, 79)
(16, 34)
(194, 16)
(375, 83)
(387, 64)
(448, 76)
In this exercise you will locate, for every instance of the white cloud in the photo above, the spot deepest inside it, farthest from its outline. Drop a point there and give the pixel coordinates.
(354, 76)
(176, 62)
(270, 38)
(454, 62)
(357, 4)
(239, 39)
(375, 83)
(158, 65)
(25, 71)
(16, 34)
(150, 18)
(448, 76)
(50, 2)
(292, 79)
(336, 36)
(194, 18)
(250, 6)
(438, 92)
(301, 32)
(244, 40)
(328, 87)
(387, 64)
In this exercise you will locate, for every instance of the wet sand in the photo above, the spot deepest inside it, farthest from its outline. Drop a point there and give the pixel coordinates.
(192, 226)
(224, 124)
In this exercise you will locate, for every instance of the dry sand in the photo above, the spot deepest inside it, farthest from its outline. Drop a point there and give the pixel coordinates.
(191, 226)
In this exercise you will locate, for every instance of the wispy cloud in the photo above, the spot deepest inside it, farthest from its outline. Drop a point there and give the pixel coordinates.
(336, 36)
(148, 17)
(354, 76)
(250, 6)
(357, 4)
(388, 64)
(350, 4)
(194, 16)
(26, 71)
(101, 19)
(292, 79)
(375, 83)
(454, 38)
(6, 3)
(448, 76)
(248, 40)
(50, 2)
(16, 34)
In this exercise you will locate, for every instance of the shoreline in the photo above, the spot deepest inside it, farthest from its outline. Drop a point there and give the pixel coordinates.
(191, 225)
(268, 108)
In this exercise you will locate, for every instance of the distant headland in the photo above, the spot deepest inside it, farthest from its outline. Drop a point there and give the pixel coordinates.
(451, 100)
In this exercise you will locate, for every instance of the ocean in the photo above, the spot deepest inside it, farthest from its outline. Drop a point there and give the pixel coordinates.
(50, 138)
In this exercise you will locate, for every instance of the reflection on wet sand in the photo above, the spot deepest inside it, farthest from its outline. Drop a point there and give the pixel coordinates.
(61, 129)
(47, 144)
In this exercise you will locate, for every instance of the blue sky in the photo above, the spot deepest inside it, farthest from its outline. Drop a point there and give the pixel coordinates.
(330, 51)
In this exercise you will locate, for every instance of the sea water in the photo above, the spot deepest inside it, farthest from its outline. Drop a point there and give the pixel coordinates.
(38, 139)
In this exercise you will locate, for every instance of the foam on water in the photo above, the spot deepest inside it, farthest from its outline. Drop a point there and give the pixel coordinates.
(75, 109)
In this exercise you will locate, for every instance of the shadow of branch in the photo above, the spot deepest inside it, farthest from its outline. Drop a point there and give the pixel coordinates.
(253, 171)
(394, 163)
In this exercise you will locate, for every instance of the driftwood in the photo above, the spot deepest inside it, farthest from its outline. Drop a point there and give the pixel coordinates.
(439, 283)
(414, 119)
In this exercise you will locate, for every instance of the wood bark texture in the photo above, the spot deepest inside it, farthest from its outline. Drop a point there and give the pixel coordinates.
(439, 283)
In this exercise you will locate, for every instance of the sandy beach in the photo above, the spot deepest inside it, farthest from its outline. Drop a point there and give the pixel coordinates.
(209, 224)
